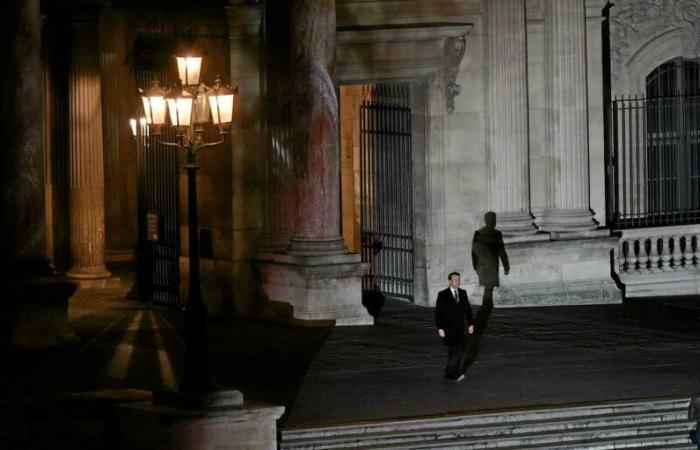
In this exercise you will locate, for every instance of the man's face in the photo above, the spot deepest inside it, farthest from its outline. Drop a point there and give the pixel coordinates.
(454, 281)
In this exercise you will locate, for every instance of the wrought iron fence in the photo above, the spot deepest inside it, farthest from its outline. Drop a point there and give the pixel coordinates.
(386, 189)
(653, 161)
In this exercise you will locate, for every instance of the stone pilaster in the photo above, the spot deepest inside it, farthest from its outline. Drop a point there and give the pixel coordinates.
(567, 184)
(86, 163)
(508, 169)
(35, 300)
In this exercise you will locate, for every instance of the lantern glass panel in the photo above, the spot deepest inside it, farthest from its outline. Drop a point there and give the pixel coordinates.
(189, 69)
(180, 109)
(154, 107)
(221, 108)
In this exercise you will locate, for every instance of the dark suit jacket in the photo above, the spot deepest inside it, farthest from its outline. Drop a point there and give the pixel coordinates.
(451, 316)
(487, 248)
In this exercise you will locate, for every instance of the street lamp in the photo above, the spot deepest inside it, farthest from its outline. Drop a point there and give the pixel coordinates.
(189, 105)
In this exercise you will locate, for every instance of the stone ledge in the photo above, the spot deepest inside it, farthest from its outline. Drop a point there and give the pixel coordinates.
(661, 283)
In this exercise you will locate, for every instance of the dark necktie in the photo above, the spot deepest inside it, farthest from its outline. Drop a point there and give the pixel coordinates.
(456, 296)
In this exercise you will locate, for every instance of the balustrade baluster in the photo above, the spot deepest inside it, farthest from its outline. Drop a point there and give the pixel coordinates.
(665, 253)
(631, 256)
(654, 254)
(677, 256)
(643, 257)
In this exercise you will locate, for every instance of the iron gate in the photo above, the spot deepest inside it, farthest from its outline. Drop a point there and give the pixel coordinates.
(158, 188)
(385, 189)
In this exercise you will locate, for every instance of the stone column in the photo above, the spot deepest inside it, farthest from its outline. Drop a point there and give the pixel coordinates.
(86, 163)
(508, 158)
(567, 184)
(35, 301)
(317, 276)
(316, 150)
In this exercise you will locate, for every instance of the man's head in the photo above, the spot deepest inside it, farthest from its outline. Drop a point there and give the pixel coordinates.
(453, 278)
(490, 219)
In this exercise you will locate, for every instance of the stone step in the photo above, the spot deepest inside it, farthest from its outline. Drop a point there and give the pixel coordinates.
(501, 431)
(502, 418)
(564, 440)
(666, 433)
(655, 422)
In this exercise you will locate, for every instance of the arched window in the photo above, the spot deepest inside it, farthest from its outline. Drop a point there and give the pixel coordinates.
(672, 141)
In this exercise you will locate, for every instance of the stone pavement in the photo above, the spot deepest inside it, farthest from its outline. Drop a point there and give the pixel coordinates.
(530, 357)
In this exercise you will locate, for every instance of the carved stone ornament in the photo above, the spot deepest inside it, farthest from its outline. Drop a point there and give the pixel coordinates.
(453, 54)
(634, 23)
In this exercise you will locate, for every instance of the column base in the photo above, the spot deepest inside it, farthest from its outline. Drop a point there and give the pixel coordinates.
(185, 422)
(88, 273)
(516, 224)
(318, 287)
(311, 247)
(566, 220)
(34, 310)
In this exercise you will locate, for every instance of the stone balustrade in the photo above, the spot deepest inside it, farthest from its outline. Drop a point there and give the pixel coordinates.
(658, 249)
(667, 257)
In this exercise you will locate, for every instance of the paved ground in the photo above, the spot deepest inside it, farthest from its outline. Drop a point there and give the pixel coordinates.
(529, 357)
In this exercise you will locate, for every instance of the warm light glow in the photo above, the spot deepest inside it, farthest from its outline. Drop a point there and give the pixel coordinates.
(189, 68)
(154, 103)
(132, 123)
(221, 103)
(180, 109)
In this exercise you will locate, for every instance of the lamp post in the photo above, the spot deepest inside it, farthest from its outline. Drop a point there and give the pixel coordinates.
(189, 106)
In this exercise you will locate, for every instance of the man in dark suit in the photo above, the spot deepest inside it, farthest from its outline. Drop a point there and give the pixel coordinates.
(453, 318)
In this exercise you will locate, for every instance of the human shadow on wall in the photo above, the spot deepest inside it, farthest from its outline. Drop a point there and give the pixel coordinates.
(487, 250)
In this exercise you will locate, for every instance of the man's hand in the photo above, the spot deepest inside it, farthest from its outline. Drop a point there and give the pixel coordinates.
(506, 271)
(471, 329)
(441, 333)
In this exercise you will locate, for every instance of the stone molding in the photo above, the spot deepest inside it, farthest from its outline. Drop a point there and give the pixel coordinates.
(635, 24)
(445, 43)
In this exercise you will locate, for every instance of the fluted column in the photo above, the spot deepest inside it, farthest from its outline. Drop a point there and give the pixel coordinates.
(86, 164)
(315, 128)
(567, 184)
(508, 160)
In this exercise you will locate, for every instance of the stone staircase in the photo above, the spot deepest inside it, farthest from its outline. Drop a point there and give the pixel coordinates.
(651, 424)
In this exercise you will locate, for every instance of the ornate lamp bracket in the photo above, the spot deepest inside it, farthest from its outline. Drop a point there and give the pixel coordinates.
(452, 57)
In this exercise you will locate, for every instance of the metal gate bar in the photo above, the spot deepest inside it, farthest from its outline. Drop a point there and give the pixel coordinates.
(653, 165)
(159, 193)
(386, 189)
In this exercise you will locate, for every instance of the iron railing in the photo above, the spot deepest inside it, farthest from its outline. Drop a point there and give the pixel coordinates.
(653, 161)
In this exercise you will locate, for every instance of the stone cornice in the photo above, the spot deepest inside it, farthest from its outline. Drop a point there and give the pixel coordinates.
(447, 43)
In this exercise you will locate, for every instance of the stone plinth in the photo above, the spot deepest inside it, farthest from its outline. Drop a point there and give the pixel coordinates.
(574, 270)
(34, 309)
(222, 422)
(319, 287)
